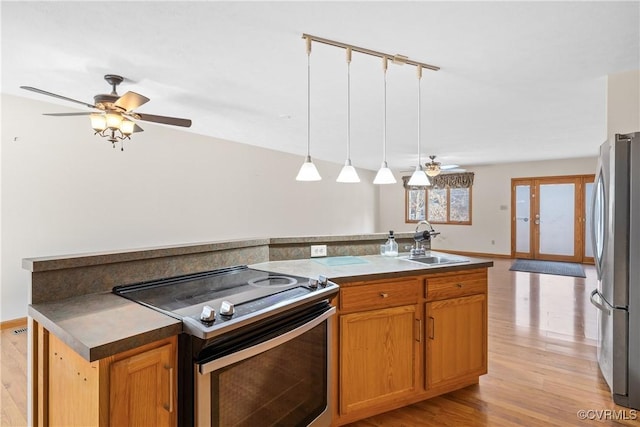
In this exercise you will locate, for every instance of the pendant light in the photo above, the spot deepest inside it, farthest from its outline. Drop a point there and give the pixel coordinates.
(308, 171)
(348, 172)
(384, 175)
(419, 177)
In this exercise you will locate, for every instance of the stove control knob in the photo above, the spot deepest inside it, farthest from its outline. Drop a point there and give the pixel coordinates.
(323, 281)
(208, 314)
(313, 283)
(227, 308)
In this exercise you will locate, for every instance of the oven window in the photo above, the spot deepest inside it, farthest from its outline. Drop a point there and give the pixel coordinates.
(284, 386)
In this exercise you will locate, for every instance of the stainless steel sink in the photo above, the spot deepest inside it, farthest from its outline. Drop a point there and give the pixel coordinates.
(437, 260)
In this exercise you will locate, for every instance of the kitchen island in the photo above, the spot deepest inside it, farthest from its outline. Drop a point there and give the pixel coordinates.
(405, 332)
(103, 335)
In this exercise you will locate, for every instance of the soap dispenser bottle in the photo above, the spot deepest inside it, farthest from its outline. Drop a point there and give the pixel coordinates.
(391, 247)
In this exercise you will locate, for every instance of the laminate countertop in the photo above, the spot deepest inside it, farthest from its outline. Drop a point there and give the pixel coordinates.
(100, 325)
(103, 324)
(368, 267)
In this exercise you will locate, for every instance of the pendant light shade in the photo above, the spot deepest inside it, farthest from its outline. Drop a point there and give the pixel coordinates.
(384, 175)
(308, 171)
(348, 174)
(419, 177)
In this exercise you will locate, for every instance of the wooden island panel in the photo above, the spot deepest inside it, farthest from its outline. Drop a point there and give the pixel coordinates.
(135, 387)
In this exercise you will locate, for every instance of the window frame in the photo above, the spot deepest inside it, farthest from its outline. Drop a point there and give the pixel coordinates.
(426, 207)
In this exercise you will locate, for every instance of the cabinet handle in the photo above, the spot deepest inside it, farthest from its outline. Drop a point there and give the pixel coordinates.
(169, 407)
(432, 334)
(419, 323)
(383, 295)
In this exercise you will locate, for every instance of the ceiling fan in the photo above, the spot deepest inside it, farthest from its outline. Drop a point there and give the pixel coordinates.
(434, 168)
(115, 115)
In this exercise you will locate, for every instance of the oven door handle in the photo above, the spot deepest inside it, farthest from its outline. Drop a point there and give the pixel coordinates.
(208, 367)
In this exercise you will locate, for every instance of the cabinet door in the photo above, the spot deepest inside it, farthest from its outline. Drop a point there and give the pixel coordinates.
(379, 352)
(456, 339)
(142, 389)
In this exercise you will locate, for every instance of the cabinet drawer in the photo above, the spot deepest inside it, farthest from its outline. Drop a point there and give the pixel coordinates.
(454, 286)
(379, 295)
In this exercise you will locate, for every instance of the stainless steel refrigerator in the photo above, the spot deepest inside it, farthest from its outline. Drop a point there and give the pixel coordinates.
(616, 243)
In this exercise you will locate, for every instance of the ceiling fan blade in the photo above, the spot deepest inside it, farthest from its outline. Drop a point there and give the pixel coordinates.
(67, 114)
(131, 100)
(137, 128)
(166, 120)
(44, 92)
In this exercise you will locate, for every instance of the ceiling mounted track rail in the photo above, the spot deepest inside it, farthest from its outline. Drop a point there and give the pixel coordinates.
(397, 59)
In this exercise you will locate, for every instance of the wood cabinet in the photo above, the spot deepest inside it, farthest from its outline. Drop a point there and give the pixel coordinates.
(456, 345)
(378, 357)
(456, 341)
(379, 344)
(403, 340)
(133, 388)
(141, 389)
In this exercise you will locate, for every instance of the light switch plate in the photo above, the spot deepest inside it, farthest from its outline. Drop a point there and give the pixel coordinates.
(318, 250)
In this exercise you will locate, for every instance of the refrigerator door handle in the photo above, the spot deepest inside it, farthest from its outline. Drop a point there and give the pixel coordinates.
(598, 195)
(599, 305)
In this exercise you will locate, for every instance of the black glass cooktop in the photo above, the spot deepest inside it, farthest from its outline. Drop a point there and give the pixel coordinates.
(240, 283)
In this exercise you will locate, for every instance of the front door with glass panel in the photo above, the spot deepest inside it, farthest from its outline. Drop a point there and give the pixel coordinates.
(549, 218)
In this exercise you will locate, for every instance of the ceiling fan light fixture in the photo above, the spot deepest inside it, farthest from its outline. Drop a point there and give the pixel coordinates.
(308, 171)
(433, 167)
(114, 120)
(98, 122)
(127, 127)
(115, 112)
(419, 178)
(433, 170)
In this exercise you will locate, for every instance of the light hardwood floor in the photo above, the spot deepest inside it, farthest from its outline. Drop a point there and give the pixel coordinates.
(542, 363)
(13, 374)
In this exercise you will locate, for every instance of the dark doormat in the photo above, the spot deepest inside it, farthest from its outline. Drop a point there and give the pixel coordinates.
(548, 267)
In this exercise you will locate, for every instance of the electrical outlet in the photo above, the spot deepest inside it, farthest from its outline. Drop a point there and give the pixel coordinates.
(318, 250)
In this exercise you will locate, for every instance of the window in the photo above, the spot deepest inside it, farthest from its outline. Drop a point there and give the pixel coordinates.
(447, 201)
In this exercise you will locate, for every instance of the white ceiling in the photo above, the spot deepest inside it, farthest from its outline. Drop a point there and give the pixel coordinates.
(519, 80)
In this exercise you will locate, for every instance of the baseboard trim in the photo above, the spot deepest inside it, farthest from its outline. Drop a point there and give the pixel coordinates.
(15, 323)
(475, 254)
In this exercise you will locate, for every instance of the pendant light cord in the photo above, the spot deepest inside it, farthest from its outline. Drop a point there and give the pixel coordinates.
(419, 110)
(349, 105)
(308, 40)
(384, 117)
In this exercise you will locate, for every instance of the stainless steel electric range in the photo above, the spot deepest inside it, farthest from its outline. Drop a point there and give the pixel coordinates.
(254, 348)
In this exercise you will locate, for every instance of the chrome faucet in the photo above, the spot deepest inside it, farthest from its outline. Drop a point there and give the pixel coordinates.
(419, 250)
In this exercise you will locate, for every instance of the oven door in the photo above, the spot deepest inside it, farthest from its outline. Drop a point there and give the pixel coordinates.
(275, 374)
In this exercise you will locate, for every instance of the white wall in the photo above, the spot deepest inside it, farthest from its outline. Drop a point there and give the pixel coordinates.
(66, 191)
(491, 205)
(623, 103)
